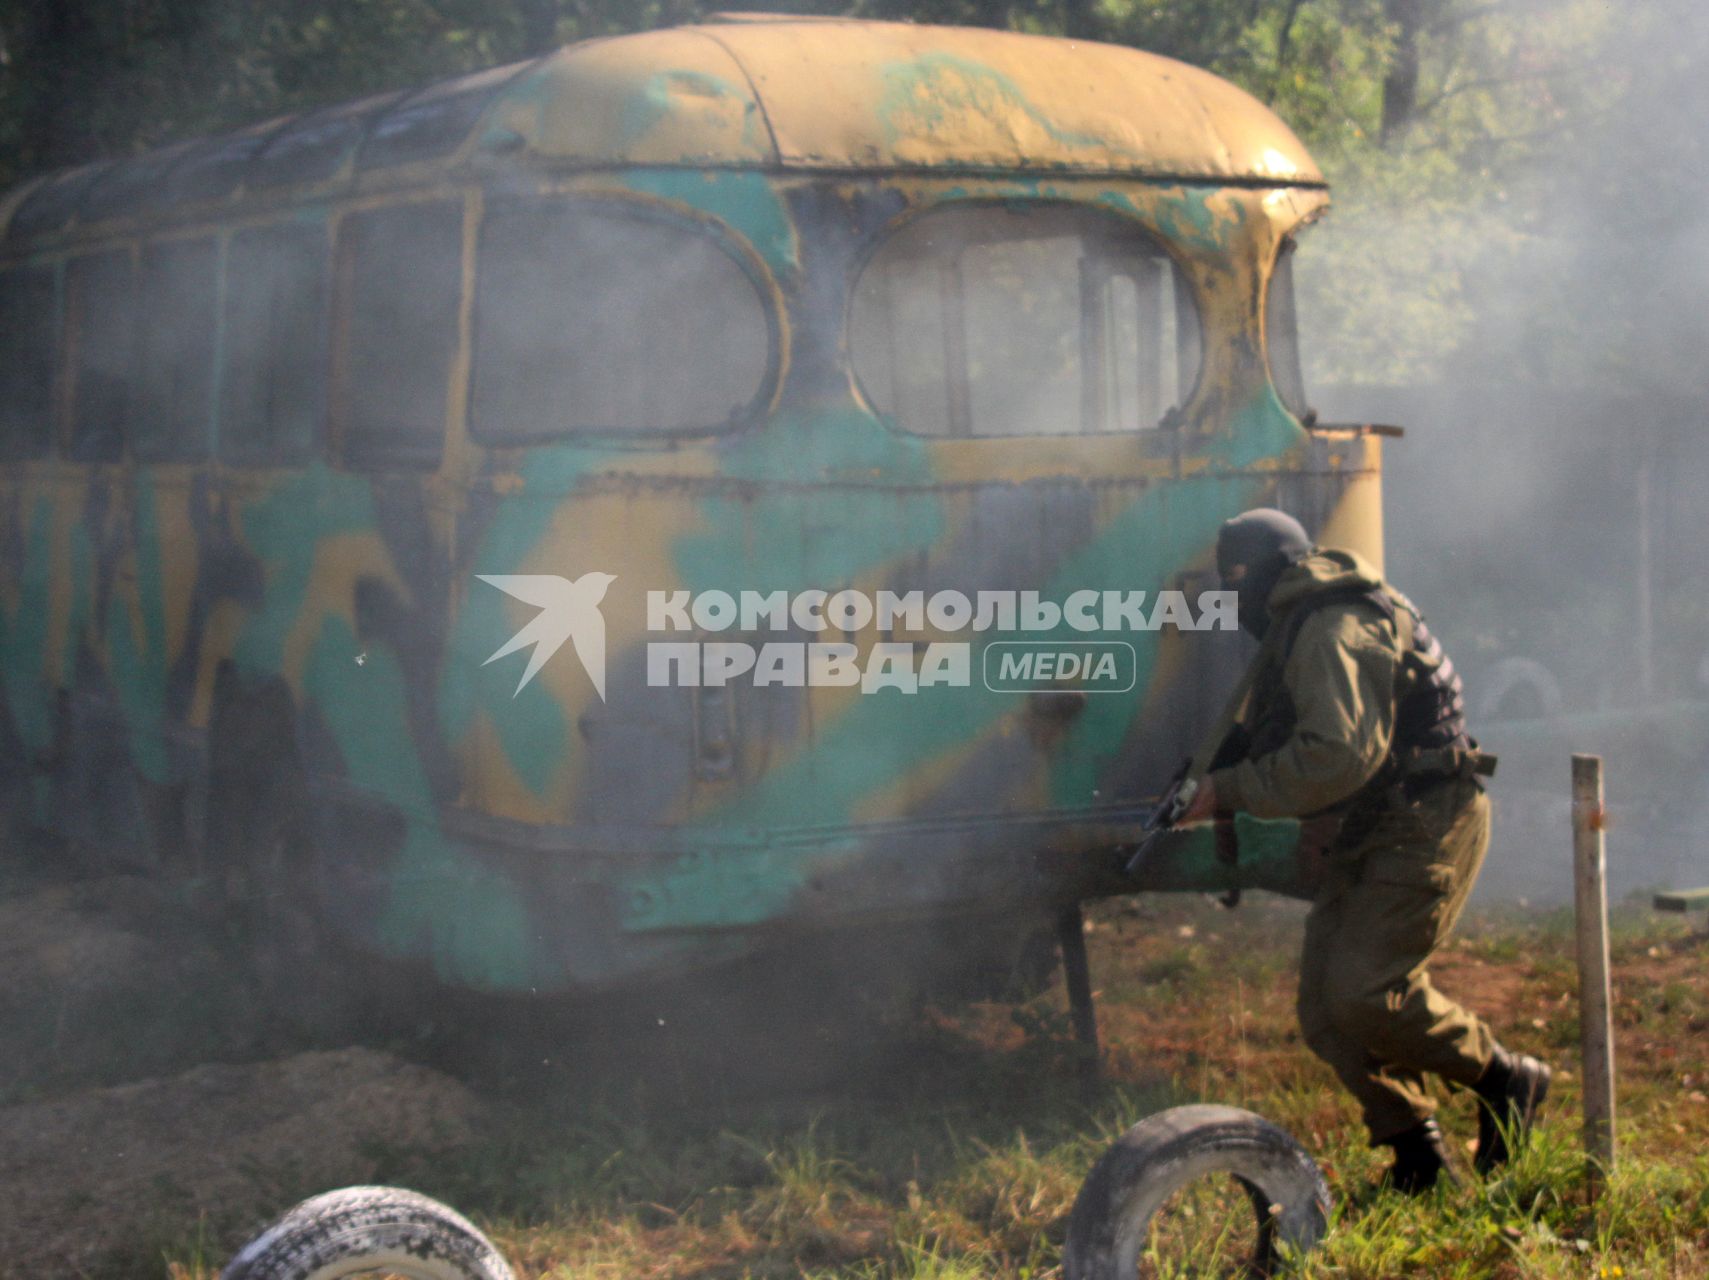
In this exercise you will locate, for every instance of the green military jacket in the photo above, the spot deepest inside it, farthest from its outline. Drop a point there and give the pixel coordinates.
(1320, 717)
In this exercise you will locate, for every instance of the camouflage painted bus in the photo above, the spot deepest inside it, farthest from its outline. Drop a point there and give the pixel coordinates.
(458, 511)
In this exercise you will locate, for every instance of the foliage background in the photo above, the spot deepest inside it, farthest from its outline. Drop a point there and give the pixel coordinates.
(1469, 141)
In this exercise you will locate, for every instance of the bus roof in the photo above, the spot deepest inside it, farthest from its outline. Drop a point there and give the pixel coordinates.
(739, 91)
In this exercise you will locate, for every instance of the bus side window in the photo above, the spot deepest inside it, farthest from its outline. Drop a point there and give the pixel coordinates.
(433, 121)
(402, 278)
(101, 296)
(29, 317)
(273, 392)
(1281, 334)
(177, 298)
(597, 319)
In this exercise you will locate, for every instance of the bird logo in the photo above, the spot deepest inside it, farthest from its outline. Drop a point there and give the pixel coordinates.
(568, 611)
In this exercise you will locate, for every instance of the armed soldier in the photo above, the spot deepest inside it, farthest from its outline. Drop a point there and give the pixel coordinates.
(1355, 724)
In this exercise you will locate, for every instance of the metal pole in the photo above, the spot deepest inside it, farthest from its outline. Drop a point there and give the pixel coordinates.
(1596, 1033)
(1071, 937)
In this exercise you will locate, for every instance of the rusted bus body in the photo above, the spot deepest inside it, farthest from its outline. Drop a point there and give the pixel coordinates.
(773, 341)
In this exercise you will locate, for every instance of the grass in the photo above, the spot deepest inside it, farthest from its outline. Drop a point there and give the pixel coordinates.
(953, 1144)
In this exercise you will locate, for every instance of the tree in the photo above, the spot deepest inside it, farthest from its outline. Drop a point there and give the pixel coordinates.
(87, 78)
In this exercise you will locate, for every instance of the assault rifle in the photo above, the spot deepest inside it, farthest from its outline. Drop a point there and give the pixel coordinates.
(1174, 802)
(1177, 797)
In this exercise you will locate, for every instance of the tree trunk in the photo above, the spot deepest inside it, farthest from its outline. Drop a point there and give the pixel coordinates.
(1400, 84)
(1285, 35)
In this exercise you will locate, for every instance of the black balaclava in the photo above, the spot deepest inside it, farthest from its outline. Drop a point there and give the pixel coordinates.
(1266, 541)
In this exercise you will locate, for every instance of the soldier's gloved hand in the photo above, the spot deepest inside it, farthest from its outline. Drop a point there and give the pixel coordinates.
(1203, 806)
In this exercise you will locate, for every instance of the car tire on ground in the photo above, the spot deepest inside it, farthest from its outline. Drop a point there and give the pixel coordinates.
(386, 1230)
(1109, 1226)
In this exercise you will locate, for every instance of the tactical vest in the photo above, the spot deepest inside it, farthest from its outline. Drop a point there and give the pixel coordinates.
(1430, 706)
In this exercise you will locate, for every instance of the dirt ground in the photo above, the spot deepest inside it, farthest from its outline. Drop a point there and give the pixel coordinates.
(112, 1140)
(118, 1154)
(90, 1179)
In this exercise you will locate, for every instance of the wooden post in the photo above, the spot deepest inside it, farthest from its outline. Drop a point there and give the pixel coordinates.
(1590, 900)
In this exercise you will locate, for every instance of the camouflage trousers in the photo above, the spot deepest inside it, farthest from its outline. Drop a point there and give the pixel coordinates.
(1385, 905)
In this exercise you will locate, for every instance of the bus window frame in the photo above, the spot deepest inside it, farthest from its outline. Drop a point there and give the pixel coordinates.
(1185, 289)
(695, 222)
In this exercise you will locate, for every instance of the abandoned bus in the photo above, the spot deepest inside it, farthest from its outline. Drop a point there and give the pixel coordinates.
(603, 515)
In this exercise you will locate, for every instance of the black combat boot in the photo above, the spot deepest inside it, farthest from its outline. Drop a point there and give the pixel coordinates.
(1420, 1160)
(1510, 1093)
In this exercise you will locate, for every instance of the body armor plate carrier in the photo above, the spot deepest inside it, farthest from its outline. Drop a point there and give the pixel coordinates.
(1430, 742)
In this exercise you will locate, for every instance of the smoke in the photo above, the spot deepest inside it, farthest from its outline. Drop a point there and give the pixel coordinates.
(1541, 335)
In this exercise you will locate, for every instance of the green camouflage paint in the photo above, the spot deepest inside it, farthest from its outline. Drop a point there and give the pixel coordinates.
(532, 728)
(653, 103)
(933, 87)
(745, 201)
(1183, 215)
(883, 738)
(441, 903)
